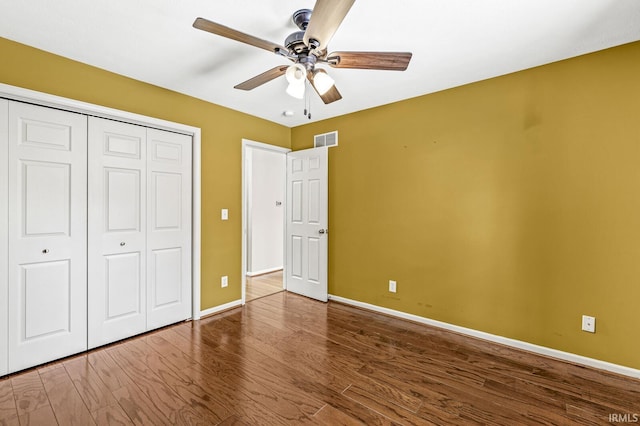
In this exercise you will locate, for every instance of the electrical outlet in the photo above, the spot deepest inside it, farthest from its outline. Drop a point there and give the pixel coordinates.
(224, 281)
(392, 286)
(224, 214)
(588, 324)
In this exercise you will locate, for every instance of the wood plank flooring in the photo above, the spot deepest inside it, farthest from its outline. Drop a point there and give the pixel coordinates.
(284, 359)
(263, 285)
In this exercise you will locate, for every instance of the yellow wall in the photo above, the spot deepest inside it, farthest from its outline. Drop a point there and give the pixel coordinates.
(222, 133)
(510, 206)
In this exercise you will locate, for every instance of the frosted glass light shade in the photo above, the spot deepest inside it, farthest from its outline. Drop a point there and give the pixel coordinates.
(322, 81)
(296, 89)
(296, 73)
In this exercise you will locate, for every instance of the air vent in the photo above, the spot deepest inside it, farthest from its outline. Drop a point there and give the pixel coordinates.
(326, 139)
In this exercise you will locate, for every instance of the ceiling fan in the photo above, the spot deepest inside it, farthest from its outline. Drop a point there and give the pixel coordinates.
(307, 48)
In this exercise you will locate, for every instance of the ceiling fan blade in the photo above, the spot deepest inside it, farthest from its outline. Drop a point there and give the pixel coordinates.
(392, 61)
(221, 30)
(326, 17)
(263, 78)
(331, 95)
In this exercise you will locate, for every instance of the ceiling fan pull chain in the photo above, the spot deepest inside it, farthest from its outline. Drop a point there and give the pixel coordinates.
(306, 97)
(307, 106)
(308, 100)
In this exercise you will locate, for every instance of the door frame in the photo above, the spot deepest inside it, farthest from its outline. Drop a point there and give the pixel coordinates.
(58, 102)
(4, 240)
(246, 178)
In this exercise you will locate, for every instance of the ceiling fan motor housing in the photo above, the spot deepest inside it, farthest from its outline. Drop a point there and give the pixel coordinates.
(295, 42)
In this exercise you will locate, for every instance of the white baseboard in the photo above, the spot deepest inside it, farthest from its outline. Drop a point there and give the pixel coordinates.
(218, 309)
(264, 271)
(542, 350)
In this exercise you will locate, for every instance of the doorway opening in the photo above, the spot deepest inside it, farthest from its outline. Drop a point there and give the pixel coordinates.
(263, 219)
(264, 285)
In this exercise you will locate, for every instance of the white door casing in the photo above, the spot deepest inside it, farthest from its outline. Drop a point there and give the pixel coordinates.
(168, 228)
(4, 239)
(117, 231)
(307, 222)
(47, 234)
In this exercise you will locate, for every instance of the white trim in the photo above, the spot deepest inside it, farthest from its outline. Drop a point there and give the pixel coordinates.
(4, 236)
(542, 350)
(220, 308)
(264, 271)
(53, 101)
(246, 145)
(196, 226)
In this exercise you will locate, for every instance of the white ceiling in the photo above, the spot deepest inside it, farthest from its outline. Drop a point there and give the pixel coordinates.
(454, 42)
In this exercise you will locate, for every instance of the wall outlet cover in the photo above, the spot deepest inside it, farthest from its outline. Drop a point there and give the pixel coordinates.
(588, 324)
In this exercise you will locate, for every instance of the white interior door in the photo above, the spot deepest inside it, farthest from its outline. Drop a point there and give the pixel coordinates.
(47, 234)
(168, 228)
(307, 220)
(4, 239)
(117, 230)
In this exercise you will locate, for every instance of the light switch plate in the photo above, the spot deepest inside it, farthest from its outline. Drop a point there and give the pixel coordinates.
(224, 215)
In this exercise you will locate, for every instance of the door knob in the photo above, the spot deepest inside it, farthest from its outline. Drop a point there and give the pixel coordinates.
(323, 231)
(45, 251)
(122, 244)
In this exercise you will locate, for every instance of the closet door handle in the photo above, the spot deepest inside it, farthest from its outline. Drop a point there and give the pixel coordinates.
(122, 244)
(45, 251)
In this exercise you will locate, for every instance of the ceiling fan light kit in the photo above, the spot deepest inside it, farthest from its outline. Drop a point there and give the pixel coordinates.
(322, 81)
(296, 74)
(307, 47)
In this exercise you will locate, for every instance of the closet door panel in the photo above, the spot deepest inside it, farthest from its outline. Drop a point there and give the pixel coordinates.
(4, 226)
(123, 285)
(169, 228)
(117, 231)
(46, 198)
(47, 234)
(45, 298)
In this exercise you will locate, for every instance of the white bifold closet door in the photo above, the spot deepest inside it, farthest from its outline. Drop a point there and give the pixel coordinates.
(47, 181)
(168, 228)
(139, 229)
(117, 230)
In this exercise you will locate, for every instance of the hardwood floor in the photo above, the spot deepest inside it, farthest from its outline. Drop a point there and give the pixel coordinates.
(263, 285)
(284, 359)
